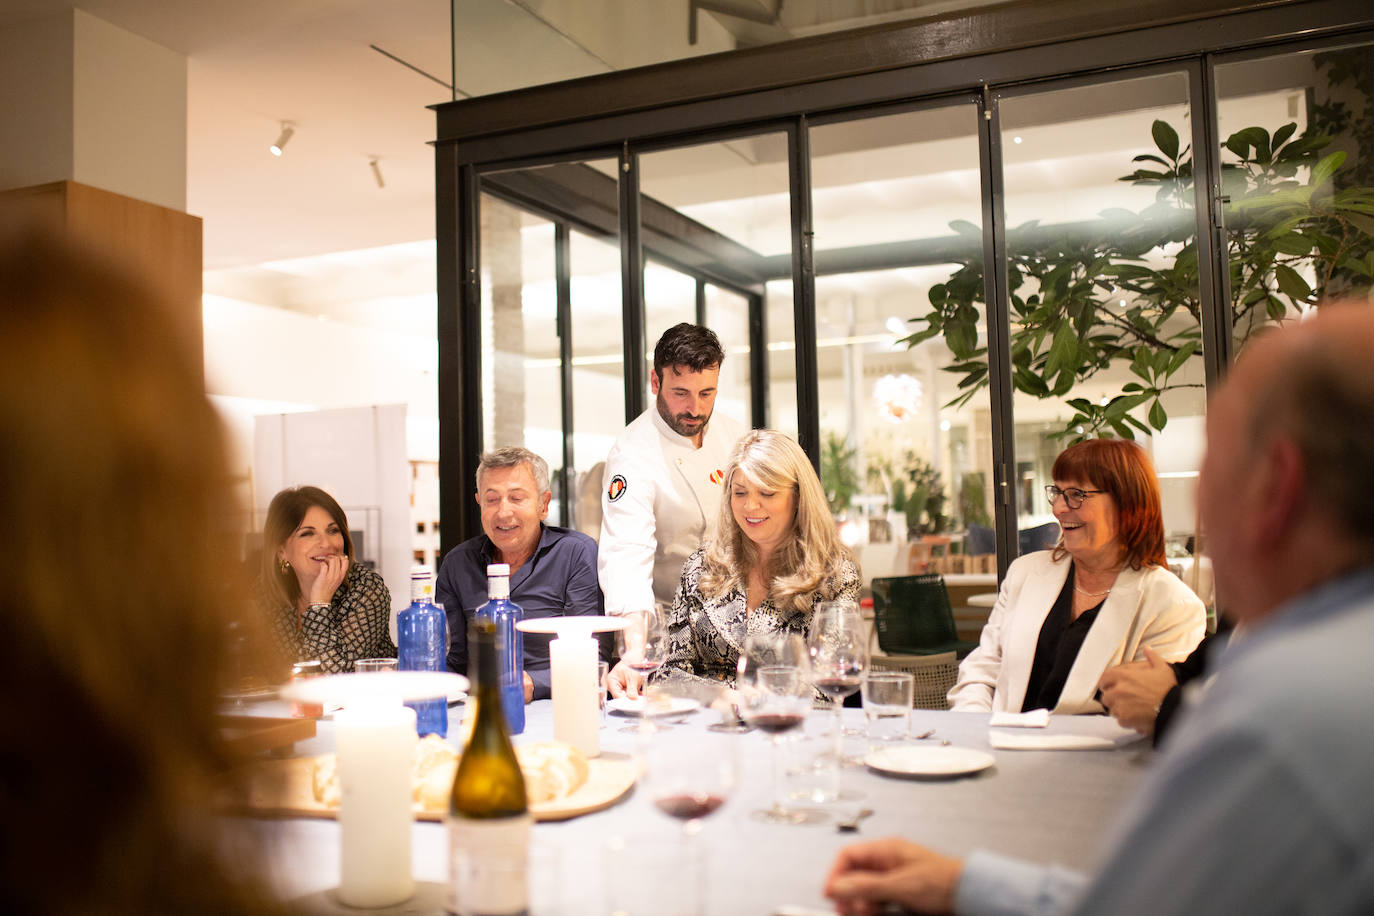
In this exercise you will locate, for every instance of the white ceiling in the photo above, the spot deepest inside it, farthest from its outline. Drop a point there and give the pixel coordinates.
(255, 63)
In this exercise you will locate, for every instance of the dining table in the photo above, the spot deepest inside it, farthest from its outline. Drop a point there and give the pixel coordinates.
(1044, 806)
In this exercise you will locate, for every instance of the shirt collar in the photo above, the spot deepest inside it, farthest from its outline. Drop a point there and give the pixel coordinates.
(1328, 599)
(672, 435)
(547, 536)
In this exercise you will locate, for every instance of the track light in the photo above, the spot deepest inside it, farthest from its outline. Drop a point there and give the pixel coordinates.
(377, 173)
(286, 131)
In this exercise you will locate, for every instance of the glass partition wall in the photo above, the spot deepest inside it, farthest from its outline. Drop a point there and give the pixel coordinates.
(935, 285)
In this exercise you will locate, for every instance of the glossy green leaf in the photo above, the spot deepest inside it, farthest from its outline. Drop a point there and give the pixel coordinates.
(1291, 283)
(1158, 418)
(1166, 138)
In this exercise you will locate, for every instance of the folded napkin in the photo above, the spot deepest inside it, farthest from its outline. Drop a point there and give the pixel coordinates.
(1036, 718)
(1068, 733)
(1020, 741)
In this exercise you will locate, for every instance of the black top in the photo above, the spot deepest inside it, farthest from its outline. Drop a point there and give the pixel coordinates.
(1060, 639)
(1194, 666)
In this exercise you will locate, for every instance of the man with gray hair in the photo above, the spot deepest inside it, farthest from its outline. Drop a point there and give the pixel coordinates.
(552, 569)
(1260, 801)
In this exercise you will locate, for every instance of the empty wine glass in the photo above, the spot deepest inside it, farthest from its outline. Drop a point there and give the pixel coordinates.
(774, 684)
(839, 658)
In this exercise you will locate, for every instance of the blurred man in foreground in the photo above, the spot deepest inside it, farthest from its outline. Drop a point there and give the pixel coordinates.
(1261, 802)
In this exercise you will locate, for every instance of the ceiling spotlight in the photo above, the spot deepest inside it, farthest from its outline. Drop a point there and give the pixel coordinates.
(377, 173)
(286, 131)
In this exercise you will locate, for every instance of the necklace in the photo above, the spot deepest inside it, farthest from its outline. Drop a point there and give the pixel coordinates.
(1091, 594)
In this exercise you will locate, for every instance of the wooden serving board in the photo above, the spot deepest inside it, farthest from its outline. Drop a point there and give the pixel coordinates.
(282, 788)
(249, 735)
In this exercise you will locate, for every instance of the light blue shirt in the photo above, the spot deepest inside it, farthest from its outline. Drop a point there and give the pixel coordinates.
(1262, 802)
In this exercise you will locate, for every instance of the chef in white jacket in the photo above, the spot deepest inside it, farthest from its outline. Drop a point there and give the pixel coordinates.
(663, 477)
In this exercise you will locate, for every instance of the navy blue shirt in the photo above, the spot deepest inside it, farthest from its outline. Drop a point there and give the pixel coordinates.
(559, 580)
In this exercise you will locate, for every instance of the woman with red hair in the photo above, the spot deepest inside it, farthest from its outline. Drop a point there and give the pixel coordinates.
(1099, 598)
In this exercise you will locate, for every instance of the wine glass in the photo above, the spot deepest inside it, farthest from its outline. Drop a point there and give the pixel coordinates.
(774, 684)
(643, 648)
(839, 658)
(688, 781)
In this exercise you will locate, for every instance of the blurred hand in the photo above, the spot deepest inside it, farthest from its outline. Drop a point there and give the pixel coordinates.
(329, 574)
(867, 875)
(529, 687)
(622, 681)
(1132, 692)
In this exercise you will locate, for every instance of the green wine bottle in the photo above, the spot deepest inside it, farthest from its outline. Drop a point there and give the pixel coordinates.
(489, 819)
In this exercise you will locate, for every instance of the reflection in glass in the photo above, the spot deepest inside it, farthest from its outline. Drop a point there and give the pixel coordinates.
(1105, 301)
(896, 212)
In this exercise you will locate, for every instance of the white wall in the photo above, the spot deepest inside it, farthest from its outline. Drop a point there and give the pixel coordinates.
(357, 455)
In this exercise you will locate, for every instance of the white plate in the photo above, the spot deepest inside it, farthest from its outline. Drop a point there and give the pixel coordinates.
(916, 760)
(576, 625)
(360, 689)
(676, 706)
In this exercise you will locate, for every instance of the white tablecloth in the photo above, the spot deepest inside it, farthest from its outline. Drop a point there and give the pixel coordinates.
(1045, 806)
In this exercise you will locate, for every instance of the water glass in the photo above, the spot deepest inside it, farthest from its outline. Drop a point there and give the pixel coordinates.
(888, 697)
(365, 665)
(654, 874)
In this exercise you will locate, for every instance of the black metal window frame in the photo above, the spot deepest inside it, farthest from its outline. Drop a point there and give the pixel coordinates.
(863, 77)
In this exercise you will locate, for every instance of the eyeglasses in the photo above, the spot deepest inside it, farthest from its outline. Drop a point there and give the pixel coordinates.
(1073, 496)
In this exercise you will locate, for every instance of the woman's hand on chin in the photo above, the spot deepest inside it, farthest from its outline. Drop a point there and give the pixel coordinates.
(330, 574)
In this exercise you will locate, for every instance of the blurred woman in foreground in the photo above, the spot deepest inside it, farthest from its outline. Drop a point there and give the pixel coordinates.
(1100, 597)
(320, 604)
(775, 554)
(113, 552)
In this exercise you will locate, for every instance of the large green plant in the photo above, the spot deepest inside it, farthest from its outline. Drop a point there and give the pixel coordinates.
(1124, 289)
(839, 479)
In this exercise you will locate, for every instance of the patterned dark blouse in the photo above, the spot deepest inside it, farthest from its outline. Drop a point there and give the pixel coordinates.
(705, 634)
(354, 626)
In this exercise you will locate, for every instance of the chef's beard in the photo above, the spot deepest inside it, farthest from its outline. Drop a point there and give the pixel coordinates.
(682, 424)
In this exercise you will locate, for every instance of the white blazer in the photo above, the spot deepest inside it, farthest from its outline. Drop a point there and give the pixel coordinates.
(660, 497)
(1148, 607)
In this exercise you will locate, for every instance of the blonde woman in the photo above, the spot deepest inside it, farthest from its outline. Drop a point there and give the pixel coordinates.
(774, 555)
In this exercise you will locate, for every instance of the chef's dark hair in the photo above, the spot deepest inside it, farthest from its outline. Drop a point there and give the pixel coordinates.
(689, 346)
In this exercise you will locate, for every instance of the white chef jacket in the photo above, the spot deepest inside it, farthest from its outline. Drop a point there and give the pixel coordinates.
(660, 498)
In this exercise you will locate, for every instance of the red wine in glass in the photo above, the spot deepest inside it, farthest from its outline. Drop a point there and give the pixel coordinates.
(689, 806)
(645, 668)
(837, 687)
(775, 723)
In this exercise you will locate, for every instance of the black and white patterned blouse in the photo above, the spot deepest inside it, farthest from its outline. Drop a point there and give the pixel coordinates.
(705, 634)
(354, 626)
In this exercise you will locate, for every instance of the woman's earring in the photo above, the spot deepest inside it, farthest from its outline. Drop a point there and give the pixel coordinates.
(284, 565)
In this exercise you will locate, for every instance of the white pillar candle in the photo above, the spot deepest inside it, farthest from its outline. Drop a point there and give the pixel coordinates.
(375, 744)
(576, 706)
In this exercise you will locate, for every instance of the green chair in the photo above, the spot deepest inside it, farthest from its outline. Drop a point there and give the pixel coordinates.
(912, 617)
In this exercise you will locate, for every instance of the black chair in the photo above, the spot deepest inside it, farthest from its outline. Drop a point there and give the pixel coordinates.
(980, 540)
(1041, 537)
(912, 616)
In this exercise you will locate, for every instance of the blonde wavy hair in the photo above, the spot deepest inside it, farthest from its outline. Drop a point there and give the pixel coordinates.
(812, 554)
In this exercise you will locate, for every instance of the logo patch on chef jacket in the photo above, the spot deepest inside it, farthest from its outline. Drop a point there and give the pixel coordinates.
(616, 489)
(717, 476)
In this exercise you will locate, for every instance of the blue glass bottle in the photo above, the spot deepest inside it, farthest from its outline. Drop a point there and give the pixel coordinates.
(422, 645)
(510, 644)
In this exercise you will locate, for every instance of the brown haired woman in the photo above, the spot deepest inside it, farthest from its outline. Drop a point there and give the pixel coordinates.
(113, 551)
(320, 603)
(1099, 598)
